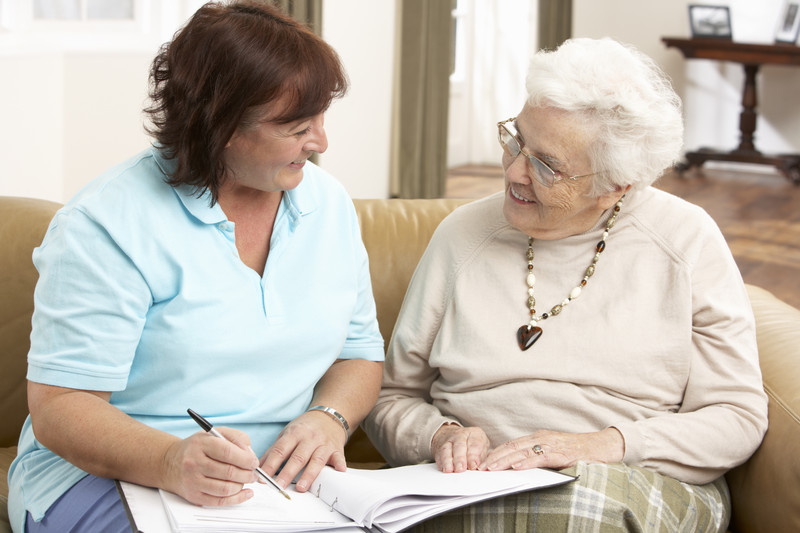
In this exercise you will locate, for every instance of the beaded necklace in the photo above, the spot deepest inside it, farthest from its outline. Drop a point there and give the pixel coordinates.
(530, 332)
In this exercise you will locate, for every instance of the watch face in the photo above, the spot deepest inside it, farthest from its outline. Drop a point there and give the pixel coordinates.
(710, 21)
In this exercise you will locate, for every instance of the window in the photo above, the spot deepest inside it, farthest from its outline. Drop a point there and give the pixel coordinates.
(72, 15)
(83, 10)
(101, 25)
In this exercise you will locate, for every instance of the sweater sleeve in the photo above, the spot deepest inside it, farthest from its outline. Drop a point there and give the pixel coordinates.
(723, 416)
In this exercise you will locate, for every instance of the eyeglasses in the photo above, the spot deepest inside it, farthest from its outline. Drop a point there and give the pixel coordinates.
(510, 141)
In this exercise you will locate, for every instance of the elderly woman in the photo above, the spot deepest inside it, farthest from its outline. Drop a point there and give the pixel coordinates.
(580, 320)
(218, 270)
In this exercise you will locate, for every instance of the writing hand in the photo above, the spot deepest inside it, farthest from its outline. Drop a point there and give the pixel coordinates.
(206, 470)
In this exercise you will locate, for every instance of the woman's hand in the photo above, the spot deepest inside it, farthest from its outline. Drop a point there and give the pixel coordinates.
(457, 448)
(552, 449)
(207, 470)
(315, 439)
(86, 430)
(310, 441)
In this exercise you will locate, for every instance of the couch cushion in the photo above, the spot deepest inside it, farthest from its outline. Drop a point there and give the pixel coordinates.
(396, 233)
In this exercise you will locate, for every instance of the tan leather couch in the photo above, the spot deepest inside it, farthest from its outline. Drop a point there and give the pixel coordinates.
(765, 490)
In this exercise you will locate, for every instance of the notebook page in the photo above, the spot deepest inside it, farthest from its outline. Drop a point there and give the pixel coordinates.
(364, 495)
(266, 511)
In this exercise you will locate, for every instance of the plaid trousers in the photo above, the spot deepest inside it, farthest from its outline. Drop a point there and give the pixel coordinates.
(604, 498)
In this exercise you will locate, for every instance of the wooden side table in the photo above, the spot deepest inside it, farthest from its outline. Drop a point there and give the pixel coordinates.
(751, 56)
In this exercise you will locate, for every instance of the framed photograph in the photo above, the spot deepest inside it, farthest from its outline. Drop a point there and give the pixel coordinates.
(789, 23)
(710, 21)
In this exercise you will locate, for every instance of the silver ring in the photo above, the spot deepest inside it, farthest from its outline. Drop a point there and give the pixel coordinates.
(538, 450)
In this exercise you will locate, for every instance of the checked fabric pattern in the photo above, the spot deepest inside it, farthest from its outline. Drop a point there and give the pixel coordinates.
(604, 498)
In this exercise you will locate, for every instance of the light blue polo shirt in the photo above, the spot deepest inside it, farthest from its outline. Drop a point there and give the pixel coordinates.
(141, 292)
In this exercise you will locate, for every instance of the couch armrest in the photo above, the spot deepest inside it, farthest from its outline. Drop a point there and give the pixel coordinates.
(766, 489)
(6, 456)
(22, 225)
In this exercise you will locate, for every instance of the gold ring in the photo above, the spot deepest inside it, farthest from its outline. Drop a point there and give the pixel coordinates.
(538, 450)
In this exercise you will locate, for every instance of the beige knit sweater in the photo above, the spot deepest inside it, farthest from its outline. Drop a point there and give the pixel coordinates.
(660, 344)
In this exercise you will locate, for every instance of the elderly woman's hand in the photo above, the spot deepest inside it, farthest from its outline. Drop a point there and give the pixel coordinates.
(556, 450)
(307, 443)
(457, 448)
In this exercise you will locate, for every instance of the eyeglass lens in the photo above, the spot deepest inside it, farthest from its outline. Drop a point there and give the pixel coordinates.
(510, 144)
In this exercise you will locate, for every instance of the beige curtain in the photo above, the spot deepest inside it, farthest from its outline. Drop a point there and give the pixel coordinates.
(555, 22)
(307, 11)
(419, 142)
(310, 13)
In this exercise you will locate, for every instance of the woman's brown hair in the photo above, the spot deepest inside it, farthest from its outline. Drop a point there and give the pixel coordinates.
(226, 60)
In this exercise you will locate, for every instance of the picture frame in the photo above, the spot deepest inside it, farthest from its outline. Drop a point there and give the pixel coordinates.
(789, 23)
(710, 21)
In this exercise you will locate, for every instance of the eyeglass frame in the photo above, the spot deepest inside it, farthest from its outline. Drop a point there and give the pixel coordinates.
(555, 176)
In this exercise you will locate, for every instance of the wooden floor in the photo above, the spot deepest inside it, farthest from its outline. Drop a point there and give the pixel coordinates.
(758, 212)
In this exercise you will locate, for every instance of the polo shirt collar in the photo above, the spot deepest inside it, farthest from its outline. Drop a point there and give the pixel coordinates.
(298, 202)
(303, 199)
(196, 202)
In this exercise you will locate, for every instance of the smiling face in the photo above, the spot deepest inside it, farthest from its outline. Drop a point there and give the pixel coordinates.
(557, 138)
(270, 157)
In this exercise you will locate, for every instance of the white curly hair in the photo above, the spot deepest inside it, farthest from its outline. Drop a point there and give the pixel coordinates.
(625, 101)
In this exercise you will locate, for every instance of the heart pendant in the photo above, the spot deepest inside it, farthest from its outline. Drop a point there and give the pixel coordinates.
(527, 335)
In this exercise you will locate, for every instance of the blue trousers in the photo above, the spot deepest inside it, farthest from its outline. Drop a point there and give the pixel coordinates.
(91, 505)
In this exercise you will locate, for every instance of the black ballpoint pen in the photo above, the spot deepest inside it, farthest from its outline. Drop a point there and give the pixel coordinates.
(206, 425)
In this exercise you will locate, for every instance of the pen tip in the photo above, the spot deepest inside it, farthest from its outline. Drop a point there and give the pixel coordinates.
(285, 495)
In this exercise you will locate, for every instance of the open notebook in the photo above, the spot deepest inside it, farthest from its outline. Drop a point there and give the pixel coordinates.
(387, 500)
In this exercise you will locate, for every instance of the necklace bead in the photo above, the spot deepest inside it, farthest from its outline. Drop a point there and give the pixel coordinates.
(528, 334)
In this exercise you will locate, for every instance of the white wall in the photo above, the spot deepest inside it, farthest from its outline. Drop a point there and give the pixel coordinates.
(711, 90)
(71, 101)
(66, 117)
(31, 103)
(71, 104)
(359, 125)
(69, 112)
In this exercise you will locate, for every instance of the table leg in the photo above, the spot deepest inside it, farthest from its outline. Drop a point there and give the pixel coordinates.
(787, 164)
(748, 116)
